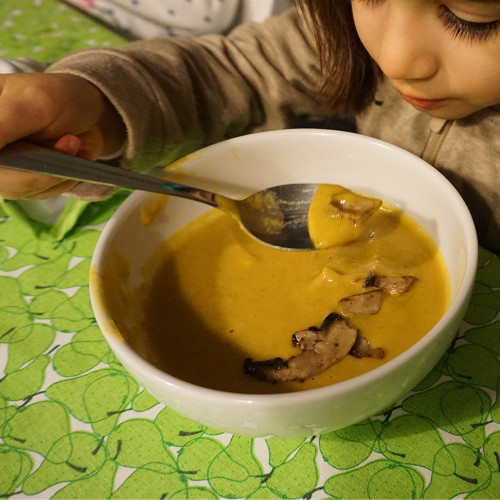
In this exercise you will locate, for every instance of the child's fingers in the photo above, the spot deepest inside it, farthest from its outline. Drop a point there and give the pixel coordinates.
(69, 144)
(88, 145)
(16, 121)
(28, 186)
(17, 185)
(47, 106)
(92, 144)
(61, 187)
(61, 111)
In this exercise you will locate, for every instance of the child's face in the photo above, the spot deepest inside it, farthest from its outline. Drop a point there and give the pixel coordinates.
(442, 56)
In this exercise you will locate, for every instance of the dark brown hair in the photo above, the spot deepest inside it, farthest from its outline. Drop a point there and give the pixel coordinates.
(350, 74)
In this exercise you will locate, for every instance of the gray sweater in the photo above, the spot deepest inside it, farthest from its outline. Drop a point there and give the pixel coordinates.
(176, 95)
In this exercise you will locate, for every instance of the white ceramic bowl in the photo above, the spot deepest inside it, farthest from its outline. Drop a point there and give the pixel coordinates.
(246, 164)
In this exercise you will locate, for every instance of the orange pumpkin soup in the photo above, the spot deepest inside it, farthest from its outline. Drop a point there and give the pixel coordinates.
(213, 296)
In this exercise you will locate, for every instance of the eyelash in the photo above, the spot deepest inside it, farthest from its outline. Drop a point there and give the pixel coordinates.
(462, 29)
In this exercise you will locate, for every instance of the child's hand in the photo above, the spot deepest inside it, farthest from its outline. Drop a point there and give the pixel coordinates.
(63, 111)
(18, 185)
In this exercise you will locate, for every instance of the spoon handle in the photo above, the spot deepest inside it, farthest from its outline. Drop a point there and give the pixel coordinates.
(31, 158)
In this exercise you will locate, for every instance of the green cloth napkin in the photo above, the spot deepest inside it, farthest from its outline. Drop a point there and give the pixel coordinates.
(56, 231)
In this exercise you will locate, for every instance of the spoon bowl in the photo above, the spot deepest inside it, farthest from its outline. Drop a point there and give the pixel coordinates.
(277, 216)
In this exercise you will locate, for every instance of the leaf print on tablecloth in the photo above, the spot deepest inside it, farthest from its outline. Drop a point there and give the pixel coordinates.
(456, 408)
(298, 476)
(377, 479)
(14, 311)
(144, 401)
(37, 427)
(235, 471)
(484, 305)
(43, 306)
(495, 412)
(75, 314)
(475, 365)
(488, 271)
(411, 440)
(138, 442)
(74, 456)
(487, 336)
(492, 451)
(82, 243)
(98, 397)
(196, 494)
(15, 465)
(98, 485)
(489, 491)
(264, 493)
(154, 480)
(27, 343)
(33, 252)
(15, 235)
(281, 448)
(4, 253)
(195, 457)
(38, 279)
(492, 457)
(7, 411)
(67, 314)
(349, 447)
(24, 382)
(86, 350)
(458, 469)
(76, 276)
(178, 430)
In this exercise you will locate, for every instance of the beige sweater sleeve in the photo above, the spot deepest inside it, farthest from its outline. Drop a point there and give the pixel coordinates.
(176, 95)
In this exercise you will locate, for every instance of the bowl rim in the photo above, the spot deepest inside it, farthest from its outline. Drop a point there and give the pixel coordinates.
(309, 395)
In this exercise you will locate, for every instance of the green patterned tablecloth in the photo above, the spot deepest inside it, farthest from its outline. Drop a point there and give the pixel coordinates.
(74, 424)
(48, 29)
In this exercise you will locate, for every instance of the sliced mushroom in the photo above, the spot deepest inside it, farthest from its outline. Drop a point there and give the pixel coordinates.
(363, 349)
(355, 207)
(320, 349)
(363, 303)
(306, 339)
(369, 281)
(395, 286)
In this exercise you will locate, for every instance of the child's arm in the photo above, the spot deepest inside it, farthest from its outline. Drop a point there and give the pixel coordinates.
(177, 95)
(173, 95)
(63, 111)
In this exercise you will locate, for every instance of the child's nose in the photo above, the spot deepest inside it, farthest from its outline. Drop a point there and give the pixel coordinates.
(406, 52)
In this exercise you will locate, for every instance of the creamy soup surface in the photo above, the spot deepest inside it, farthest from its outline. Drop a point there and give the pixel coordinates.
(213, 296)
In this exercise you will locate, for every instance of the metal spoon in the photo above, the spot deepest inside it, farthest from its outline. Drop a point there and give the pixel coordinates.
(276, 216)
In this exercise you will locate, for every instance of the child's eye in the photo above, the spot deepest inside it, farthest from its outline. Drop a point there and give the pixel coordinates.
(462, 29)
